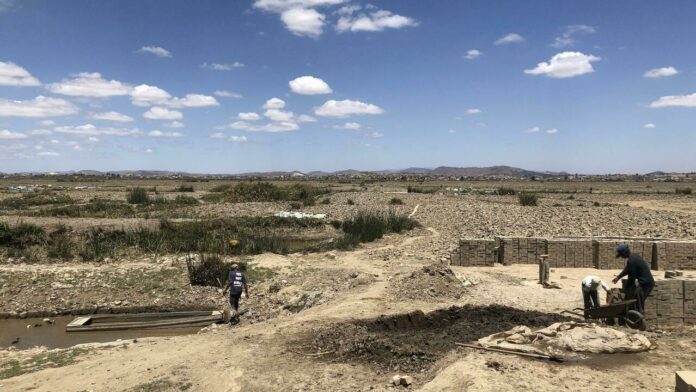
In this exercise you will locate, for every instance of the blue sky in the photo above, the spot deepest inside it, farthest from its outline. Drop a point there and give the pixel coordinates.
(258, 85)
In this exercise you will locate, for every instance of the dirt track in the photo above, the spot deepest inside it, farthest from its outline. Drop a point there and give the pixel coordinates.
(280, 354)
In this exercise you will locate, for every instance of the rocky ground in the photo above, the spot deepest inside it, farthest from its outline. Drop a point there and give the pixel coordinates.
(351, 320)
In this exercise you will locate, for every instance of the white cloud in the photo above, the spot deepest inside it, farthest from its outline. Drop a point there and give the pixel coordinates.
(38, 107)
(303, 21)
(333, 108)
(649, 126)
(223, 66)
(48, 154)
(473, 54)
(112, 116)
(304, 118)
(353, 126)
(40, 132)
(249, 116)
(533, 130)
(272, 127)
(552, 131)
(146, 95)
(238, 139)
(91, 130)
(451, 131)
(569, 34)
(348, 9)
(47, 123)
(9, 135)
(158, 133)
(92, 139)
(174, 124)
(280, 115)
(218, 135)
(156, 50)
(149, 150)
(274, 103)
(375, 135)
(89, 84)
(192, 101)
(471, 111)
(376, 21)
(309, 85)
(509, 39)
(12, 74)
(280, 5)
(661, 72)
(6, 5)
(159, 113)
(565, 65)
(675, 100)
(227, 94)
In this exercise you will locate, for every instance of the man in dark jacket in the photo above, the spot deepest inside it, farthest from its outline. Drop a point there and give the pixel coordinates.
(236, 282)
(636, 269)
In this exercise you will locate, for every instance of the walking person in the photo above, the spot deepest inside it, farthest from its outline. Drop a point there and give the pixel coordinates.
(636, 269)
(236, 283)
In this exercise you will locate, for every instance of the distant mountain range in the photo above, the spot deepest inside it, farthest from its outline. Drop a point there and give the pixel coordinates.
(441, 171)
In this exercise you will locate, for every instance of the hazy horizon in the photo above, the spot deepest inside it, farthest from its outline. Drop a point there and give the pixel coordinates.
(328, 85)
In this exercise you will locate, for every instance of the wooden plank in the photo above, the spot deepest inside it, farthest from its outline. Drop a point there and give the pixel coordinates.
(211, 317)
(80, 321)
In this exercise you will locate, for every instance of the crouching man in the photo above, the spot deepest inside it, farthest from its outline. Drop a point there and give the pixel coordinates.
(590, 295)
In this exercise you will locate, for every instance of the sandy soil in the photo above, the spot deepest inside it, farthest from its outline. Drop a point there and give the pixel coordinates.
(278, 354)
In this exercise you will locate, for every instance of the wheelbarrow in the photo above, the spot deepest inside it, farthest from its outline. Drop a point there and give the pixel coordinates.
(625, 311)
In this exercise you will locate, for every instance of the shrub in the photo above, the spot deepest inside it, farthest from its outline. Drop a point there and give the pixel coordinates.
(350, 202)
(369, 226)
(184, 188)
(137, 196)
(209, 270)
(596, 204)
(503, 191)
(325, 201)
(185, 200)
(527, 199)
(94, 209)
(59, 244)
(415, 189)
(35, 199)
(683, 191)
(265, 192)
(295, 206)
(21, 236)
(571, 197)
(396, 201)
(221, 188)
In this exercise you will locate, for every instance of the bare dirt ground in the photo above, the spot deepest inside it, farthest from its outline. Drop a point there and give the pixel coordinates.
(350, 320)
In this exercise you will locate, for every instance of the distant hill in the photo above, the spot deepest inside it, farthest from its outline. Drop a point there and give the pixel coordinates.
(492, 171)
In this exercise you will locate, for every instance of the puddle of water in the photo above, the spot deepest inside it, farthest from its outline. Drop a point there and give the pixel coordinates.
(54, 336)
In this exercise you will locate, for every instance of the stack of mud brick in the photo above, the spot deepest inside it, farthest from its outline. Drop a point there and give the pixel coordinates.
(571, 253)
(474, 252)
(672, 302)
(606, 253)
(521, 250)
(676, 255)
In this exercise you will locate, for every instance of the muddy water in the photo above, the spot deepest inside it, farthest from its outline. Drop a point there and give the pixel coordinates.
(54, 335)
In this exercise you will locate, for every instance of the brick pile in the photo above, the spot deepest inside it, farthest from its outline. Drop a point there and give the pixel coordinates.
(474, 252)
(606, 252)
(676, 255)
(671, 303)
(521, 250)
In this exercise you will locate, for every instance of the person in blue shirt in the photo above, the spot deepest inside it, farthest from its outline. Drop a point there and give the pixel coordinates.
(236, 283)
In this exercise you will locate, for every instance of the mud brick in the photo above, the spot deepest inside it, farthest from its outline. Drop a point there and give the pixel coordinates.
(557, 253)
(685, 381)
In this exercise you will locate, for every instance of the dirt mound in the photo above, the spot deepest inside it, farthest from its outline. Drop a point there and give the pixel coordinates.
(413, 341)
(434, 282)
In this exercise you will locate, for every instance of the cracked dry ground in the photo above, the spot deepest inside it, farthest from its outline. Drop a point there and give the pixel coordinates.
(362, 336)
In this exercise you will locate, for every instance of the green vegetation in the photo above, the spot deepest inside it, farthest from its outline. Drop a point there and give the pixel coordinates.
(325, 201)
(137, 196)
(683, 191)
(35, 199)
(266, 192)
(503, 191)
(21, 236)
(49, 359)
(415, 189)
(396, 201)
(184, 188)
(369, 226)
(295, 206)
(116, 209)
(221, 188)
(211, 270)
(527, 199)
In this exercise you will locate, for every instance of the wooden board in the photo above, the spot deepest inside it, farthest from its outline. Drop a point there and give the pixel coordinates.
(144, 321)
